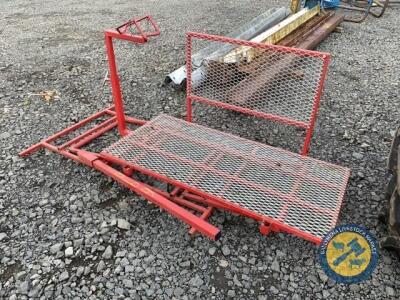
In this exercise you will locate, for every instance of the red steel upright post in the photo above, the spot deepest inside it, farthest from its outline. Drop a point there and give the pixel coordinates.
(116, 87)
(188, 77)
(123, 33)
(317, 100)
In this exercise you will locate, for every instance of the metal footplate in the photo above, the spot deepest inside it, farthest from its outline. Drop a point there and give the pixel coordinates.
(295, 193)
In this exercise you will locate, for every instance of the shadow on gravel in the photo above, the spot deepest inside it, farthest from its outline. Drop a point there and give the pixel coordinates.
(10, 271)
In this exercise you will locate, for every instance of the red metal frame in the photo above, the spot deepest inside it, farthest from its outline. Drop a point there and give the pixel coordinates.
(184, 202)
(216, 202)
(115, 117)
(299, 52)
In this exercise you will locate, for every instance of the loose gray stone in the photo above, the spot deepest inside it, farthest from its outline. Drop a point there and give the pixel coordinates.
(358, 155)
(169, 292)
(390, 291)
(127, 283)
(24, 287)
(212, 250)
(354, 288)
(5, 135)
(225, 250)
(196, 281)
(80, 271)
(119, 291)
(231, 294)
(142, 253)
(2, 236)
(107, 254)
(78, 243)
(64, 276)
(101, 265)
(69, 252)
(120, 254)
(236, 281)
(178, 292)
(274, 290)
(129, 269)
(124, 262)
(123, 224)
(325, 294)
(223, 263)
(296, 297)
(275, 266)
(56, 248)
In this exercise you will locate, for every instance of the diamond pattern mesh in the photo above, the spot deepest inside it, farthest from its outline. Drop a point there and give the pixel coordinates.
(300, 192)
(269, 81)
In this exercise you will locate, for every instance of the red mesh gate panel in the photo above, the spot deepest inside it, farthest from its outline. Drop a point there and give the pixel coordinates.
(273, 82)
(296, 193)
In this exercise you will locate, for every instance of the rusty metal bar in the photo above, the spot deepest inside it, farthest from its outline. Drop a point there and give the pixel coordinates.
(305, 30)
(320, 33)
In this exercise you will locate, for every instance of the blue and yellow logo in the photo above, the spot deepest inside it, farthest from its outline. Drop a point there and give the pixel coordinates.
(348, 254)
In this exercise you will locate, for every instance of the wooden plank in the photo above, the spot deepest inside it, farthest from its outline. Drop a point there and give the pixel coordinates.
(258, 78)
(272, 35)
(294, 6)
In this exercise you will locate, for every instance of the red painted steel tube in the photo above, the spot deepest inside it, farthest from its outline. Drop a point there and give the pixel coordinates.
(32, 149)
(216, 38)
(62, 152)
(249, 111)
(176, 191)
(174, 209)
(100, 131)
(341, 195)
(204, 216)
(178, 200)
(63, 132)
(218, 204)
(188, 77)
(189, 204)
(87, 133)
(128, 118)
(115, 85)
(126, 37)
(317, 100)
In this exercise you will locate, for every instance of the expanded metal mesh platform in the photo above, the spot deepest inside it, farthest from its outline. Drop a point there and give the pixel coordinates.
(296, 191)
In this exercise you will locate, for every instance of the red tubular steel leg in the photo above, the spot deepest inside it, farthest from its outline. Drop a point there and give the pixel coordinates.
(93, 136)
(87, 133)
(174, 209)
(204, 216)
(116, 88)
(317, 100)
(61, 133)
(176, 199)
(188, 78)
(128, 119)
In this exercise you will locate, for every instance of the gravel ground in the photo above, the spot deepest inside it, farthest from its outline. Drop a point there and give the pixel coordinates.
(58, 231)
